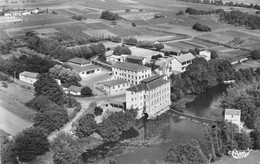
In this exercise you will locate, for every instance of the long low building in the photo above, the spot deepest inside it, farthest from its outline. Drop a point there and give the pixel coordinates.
(116, 86)
(83, 67)
(150, 96)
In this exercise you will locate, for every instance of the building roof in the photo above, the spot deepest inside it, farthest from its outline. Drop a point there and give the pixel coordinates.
(115, 82)
(232, 112)
(79, 61)
(130, 66)
(148, 86)
(135, 57)
(74, 88)
(29, 74)
(151, 78)
(79, 68)
(185, 57)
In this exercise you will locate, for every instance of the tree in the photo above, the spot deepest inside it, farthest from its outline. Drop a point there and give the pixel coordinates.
(130, 41)
(200, 27)
(214, 54)
(109, 15)
(180, 12)
(51, 120)
(243, 140)
(48, 86)
(255, 54)
(8, 155)
(158, 46)
(98, 49)
(30, 143)
(109, 131)
(86, 91)
(38, 103)
(119, 50)
(66, 149)
(86, 126)
(66, 75)
(98, 111)
(186, 153)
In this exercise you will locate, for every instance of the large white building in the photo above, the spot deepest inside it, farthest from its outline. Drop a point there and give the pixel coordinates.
(150, 96)
(134, 73)
(83, 67)
(28, 77)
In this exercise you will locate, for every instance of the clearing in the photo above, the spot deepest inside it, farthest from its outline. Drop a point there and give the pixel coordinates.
(248, 64)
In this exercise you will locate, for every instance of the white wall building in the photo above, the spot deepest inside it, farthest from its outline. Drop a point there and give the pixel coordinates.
(136, 59)
(74, 90)
(116, 58)
(205, 54)
(116, 86)
(234, 116)
(28, 77)
(83, 67)
(134, 73)
(150, 96)
(180, 62)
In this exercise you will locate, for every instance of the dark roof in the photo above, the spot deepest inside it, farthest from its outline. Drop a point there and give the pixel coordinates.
(130, 66)
(79, 68)
(148, 86)
(135, 57)
(151, 78)
(79, 61)
(115, 82)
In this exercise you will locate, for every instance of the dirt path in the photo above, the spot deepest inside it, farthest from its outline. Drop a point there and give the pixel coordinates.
(11, 123)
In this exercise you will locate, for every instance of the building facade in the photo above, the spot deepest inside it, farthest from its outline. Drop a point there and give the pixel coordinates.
(205, 54)
(116, 86)
(180, 62)
(28, 77)
(150, 96)
(133, 73)
(233, 116)
(83, 67)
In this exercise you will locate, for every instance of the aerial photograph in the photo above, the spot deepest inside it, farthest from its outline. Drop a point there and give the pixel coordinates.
(129, 81)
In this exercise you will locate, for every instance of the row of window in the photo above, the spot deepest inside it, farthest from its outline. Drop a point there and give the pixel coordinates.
(187, 62)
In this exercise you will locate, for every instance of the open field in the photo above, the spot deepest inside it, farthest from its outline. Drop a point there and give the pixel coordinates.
(202, 43)
(248, 64)
(99, 33)
(74, 31)
(182, 45)
(46, 30)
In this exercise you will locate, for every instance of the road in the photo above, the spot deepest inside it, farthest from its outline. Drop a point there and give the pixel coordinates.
(85, 104)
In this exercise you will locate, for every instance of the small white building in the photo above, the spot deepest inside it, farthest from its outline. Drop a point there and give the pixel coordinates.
(205, 54)
(116, 86)
(116, 58)
(28, 77)
(83, 67)
(35, 11)
(180, 62)
(74, 90)
(233, 116)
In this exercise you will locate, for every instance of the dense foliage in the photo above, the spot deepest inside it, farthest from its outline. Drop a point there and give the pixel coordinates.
(48, 86)
(122, 50)
(201, 75)
(255, 54)
(223, 138)
(79, 17)
(66, 75)
(66, 149)
(30, 143)
(25, 63)
(200, 27)
(86, 126)
(86, 91)
(186, 153)
(130, 41)
(8, 155)
(202, 12)
(108, 15)
(239, 18)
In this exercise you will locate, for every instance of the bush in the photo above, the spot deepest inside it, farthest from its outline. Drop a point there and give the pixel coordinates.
(115, 39)
(180, 13)
(141, 10)
(200, 27)
(127, 10)
(119, 50)
(158, 16)
(133, 24)
(255, 54)
(109, 15)
(130, 41)
(156, 57)
(79, 17)
(98, 111)
(4, 84)
(86, 91)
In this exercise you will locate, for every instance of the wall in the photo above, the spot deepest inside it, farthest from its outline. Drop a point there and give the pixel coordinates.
(27, 79)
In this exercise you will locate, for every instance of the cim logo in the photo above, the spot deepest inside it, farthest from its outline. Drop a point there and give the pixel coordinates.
(238, 154)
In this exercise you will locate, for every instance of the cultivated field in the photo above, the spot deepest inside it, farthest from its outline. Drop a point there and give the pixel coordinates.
(99, 33)
(248, 64)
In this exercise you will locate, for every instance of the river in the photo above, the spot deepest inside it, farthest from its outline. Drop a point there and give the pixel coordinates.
(11, 123)
(179, 130)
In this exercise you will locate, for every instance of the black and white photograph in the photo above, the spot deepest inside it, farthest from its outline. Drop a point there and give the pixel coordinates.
(129, 81)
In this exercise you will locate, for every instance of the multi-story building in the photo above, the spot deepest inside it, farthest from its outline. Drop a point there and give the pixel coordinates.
(180, 62)
(233, 116)
(116, 86)
(134, 73)
(150, 96)
(205, 54)
(28, 77)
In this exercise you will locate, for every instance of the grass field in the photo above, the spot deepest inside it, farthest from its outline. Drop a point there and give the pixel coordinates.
(74, 31)
(202, 43)
(182, 45)
(99, 33)
(249, 64)
(46, 30)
